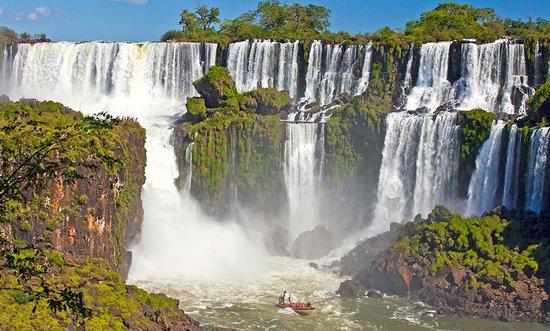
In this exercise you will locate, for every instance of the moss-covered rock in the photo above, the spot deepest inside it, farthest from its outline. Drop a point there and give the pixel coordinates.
(539, 104)
(112, 303)
(353, 153)
(92, 205)
(216, 86)
(475, 127)
(266, 101)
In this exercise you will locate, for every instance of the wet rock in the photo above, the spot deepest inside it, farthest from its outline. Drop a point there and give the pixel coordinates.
(447, 106)
(375, 294)
(395, 226)
(313, 244)
(313, 265)
(351, 289)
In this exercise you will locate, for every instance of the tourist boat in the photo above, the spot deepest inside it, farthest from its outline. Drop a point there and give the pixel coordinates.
(298, 307)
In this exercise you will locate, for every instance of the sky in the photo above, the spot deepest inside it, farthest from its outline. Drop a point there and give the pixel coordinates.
(144, 20)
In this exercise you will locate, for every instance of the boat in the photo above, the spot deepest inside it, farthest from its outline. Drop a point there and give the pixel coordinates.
(299, 307)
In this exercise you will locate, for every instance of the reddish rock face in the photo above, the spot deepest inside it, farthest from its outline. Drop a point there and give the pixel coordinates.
(97, 216)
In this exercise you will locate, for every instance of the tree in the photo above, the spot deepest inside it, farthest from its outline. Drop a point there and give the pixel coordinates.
(450, 21)
(7, 33)
(203, 18)
(25, 36)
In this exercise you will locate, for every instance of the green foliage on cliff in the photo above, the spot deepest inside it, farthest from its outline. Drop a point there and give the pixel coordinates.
(237, 143)
(353, 143)
(475, 126)
(540, 102)
(48, 152)
(88, 286)
(476, 244)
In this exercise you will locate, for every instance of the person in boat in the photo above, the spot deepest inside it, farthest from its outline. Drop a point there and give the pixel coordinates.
(285, 298)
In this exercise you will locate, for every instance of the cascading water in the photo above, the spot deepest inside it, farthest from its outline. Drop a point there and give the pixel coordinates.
(432, 87)
(419, 167)
(512, 169)
(483, 192)
(301, 170)
(331, 71)
(492, 77)
(264, 63)
(536, 197)
(6, 61)
(149, 82)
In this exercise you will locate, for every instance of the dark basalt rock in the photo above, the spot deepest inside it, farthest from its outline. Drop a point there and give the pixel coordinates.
(455, 58)
(351, 289)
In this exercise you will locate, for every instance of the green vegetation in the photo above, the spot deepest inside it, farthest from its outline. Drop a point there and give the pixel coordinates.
(475, 127)
(47, 298)
(7, 35)
(353, 144)
(478, 244)
(293, 21)
(540, 104)
(49, 156)
(237, 143)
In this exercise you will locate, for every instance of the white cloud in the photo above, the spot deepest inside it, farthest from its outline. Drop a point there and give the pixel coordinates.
(43, 11)
(139, 2)
(37, 13)
(32, 16)
(1, 10)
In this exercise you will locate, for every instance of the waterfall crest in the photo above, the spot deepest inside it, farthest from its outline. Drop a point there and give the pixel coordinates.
(264, 63)
(332, 70)
(493, 77)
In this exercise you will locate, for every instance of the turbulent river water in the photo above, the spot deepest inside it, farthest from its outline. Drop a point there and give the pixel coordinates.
(248, 303)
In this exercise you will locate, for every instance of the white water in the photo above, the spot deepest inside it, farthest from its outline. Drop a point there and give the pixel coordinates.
(148, 82)
(331, 71)
(432, 87)
(483, 188)
(537, 170)
(512, 170)
(489, 75)
(419, 167)
(264, 63)
(302, 172)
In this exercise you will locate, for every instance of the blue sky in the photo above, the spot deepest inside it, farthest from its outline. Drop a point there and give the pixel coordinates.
(140, 20)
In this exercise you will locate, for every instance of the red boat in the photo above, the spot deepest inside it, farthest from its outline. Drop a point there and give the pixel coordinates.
(298, 307)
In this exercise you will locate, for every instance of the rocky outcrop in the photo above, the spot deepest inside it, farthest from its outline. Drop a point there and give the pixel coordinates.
(313, 244)
(443, 262)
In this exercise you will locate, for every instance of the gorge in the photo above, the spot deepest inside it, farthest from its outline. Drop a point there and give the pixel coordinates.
(263, 155)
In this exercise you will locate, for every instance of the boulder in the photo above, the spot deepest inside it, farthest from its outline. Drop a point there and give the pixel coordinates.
(313, 244)
(313, 265)
(216, 86)
(351, 289)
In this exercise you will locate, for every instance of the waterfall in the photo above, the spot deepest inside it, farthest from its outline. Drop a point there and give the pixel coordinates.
(6, 61)
(512, 169)
(332, 71)
(407, 80)
(150, 71)
(493, 77)
(537, 170)
(302, 170)
(432, 87)
(419, 167)
(149, 82)
(264, 63)
(483, 192)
